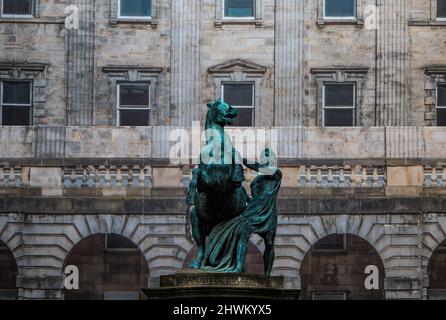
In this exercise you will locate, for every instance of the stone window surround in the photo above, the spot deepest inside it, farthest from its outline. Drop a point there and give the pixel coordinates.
(434, 76)
(34, 19)
(115, 20)
(128, 74)
(220, 20)
(433, 21)
(355, 75)
(21, 16)
(358, 21)
(34, 72)
(243, 71)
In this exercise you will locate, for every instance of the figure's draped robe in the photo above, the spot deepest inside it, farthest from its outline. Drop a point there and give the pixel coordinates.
(260, 217)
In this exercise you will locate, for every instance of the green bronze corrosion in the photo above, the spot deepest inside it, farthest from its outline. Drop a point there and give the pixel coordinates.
(222, 215)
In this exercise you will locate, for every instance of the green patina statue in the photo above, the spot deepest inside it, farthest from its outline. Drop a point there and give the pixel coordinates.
(222, 214)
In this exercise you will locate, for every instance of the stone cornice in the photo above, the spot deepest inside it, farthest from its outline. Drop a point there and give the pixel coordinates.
(238, 65)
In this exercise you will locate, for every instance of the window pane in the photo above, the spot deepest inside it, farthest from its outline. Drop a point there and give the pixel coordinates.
(239, 95)
(340, 8)
(239, 8)
(134, 95)
(339, 95)
(16, 92)
(136, 8)
(441, 117)
(441, 8)
(19, 7)
(134, 117)
(339, 117)
(441, 95)
(244, 118)
(16, 116)
(334, 242)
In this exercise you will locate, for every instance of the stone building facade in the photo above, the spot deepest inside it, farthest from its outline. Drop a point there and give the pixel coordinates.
(355, 101)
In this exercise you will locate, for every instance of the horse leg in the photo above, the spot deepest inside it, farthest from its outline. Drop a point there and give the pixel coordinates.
(199, 233)
(268, 256)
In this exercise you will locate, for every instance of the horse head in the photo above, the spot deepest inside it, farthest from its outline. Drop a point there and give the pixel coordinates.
(220, 113)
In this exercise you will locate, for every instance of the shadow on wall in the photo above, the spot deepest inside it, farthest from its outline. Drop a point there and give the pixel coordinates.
(334, 268)
(110, 267)
(8, 274)
(437, 273)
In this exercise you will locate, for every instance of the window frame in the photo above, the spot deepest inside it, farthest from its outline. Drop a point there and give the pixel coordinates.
(353, 18)
(436, 13)
(30, 105)
(18, 16)
(354, 107)
(343, 293)
(118, 98)
(249, 18)
(142, 18)
(119, 250)
(242, 107)
(443, 84)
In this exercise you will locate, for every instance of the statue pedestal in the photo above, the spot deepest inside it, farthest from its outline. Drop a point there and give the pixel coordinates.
(194, 284)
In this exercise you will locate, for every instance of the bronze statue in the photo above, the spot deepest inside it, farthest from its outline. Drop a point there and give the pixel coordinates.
(222, 215)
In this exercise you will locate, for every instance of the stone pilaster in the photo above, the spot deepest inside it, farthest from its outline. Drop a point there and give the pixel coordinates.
(185, 62)
(393, 103)
(81, 64)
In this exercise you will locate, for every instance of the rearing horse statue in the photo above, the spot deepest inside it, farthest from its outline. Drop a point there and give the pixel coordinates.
(215, 192)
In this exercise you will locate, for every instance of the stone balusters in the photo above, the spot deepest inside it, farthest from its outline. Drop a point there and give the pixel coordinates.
(435, 176)
(12, 177)
(356, 176)
(108, 177)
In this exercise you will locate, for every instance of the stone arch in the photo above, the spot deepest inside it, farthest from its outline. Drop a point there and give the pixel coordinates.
(335, 265)
(161, 238)
(297, 234)
(8, 273)
(110, 266)
(436, 272)
(434, 235)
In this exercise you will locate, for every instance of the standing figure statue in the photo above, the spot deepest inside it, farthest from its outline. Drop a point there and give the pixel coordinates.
(223, 216)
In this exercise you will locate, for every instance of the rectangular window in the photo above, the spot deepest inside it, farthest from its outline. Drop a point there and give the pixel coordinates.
(16, 103)
(441, 105)
(332, 244)
(133, 104)
(135, 9)
(329, 295)
(114, 242)
(340, 9)
(441, 9)
(17, 8)
(239, 8)
(339, 105)
(241, 97)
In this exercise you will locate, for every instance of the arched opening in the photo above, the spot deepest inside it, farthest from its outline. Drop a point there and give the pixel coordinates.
(334, 269)
(8, 274)
(253, 262)
(437, 273)
(110, 267)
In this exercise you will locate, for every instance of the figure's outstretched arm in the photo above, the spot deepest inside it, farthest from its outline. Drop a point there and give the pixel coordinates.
(253, 166)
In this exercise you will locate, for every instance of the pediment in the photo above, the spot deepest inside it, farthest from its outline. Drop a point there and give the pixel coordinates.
(238, 65)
